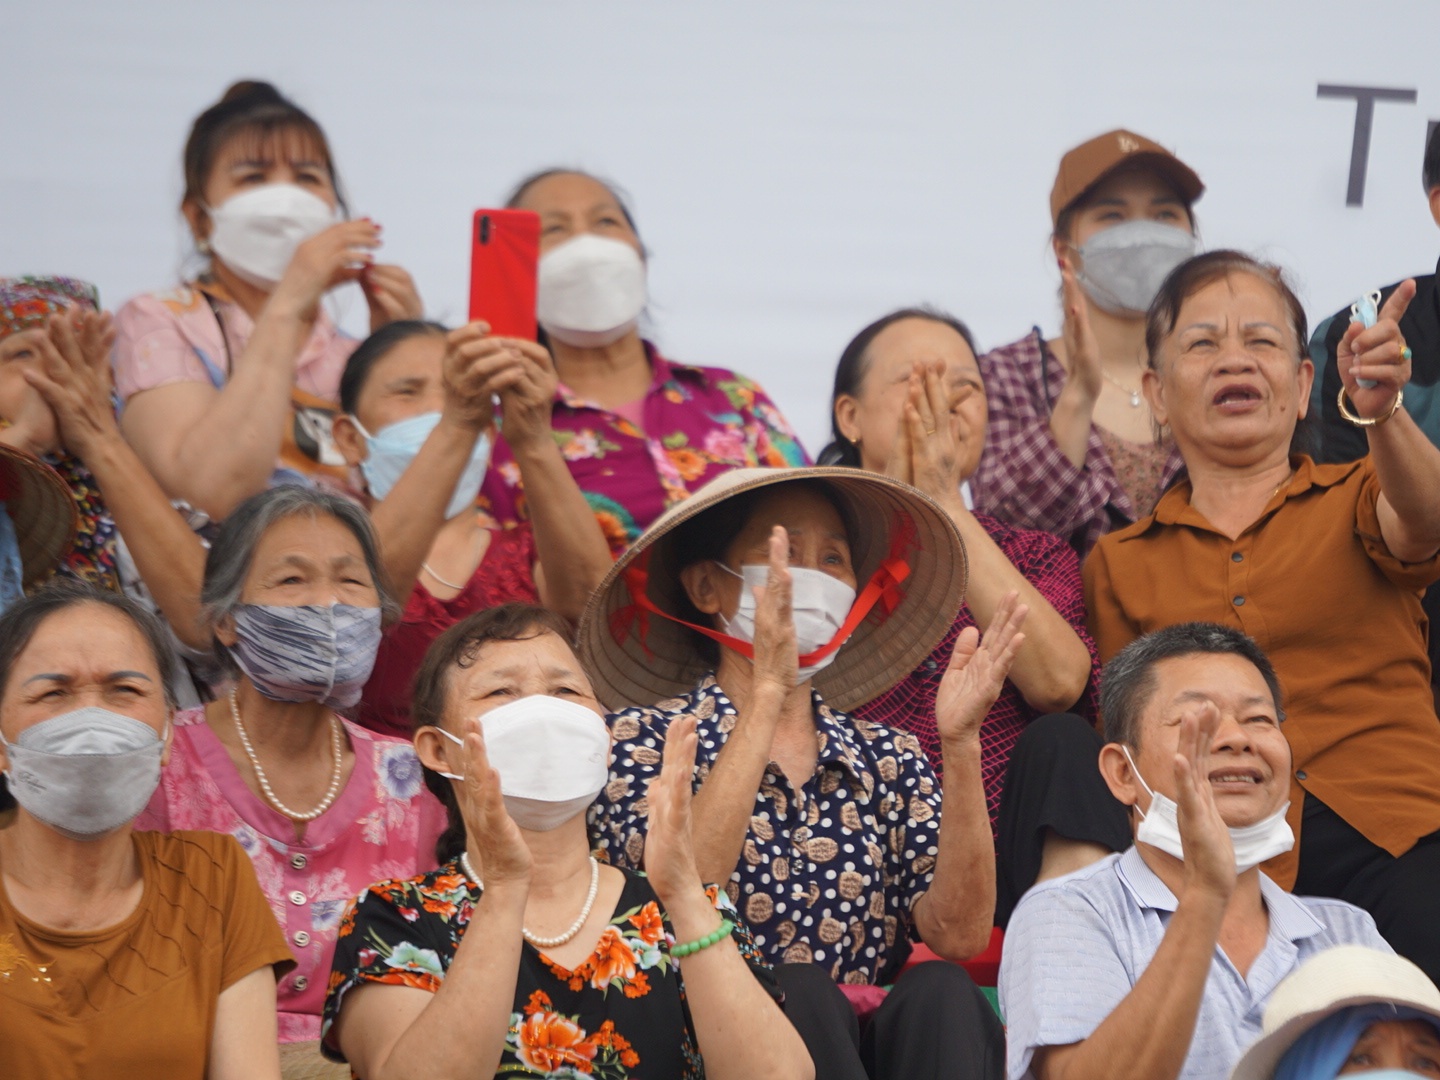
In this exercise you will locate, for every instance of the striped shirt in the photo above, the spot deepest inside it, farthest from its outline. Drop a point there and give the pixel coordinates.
(1076, 946)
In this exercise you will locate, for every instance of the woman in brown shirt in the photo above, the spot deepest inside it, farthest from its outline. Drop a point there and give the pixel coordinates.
(122, 953)
(1323, 565)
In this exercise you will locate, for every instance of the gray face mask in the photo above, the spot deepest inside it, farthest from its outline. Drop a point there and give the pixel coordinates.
(1123, 267)
(86, 772)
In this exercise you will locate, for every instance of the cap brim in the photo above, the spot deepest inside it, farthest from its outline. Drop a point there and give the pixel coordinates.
(885, 648)
(43, 513)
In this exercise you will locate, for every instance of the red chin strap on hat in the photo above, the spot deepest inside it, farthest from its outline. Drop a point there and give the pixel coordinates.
(883, 588)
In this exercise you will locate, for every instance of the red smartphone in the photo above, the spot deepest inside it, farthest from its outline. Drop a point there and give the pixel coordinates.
(504, 253)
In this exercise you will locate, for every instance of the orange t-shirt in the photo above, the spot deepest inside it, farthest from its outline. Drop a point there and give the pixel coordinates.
(1337, 614)
(138, 998)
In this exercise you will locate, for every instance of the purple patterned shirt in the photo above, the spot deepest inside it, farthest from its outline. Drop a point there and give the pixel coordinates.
(699, 422)
(1024, 477)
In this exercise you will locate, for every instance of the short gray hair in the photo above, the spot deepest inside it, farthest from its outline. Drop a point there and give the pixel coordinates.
(1128, 682)
(228, 564)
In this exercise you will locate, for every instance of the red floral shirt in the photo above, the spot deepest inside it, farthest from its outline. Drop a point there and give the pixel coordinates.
(699, 422)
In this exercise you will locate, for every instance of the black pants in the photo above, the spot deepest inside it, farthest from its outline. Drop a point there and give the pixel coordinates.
(1401, 894)
(934, 1025)
(1053, 781)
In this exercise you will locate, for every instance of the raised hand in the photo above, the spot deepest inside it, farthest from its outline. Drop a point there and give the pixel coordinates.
(73, 376)
(333, 256)
(935, 445)
(669, 847)
(473, 361)
(977, 671)
(497, 850)
(1086, 369)
(527, 393)
(1204, 836)
(1376, 353)
(390, 291)
(776, 666)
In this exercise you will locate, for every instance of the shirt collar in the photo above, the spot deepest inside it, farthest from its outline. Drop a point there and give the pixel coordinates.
(1290, 919)
(662, 373)
(1174, 506)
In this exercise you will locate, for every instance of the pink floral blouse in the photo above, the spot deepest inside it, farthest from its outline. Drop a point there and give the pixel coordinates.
(383, 825)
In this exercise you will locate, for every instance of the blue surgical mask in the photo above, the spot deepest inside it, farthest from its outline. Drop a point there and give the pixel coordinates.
(393, 448)
(307, 652)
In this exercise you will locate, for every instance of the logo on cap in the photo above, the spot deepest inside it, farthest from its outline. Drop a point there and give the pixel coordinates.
(1128, 145)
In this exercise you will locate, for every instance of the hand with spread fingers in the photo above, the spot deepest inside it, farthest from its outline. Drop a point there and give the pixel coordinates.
(497, 850)
(390, 291)
(1204, 836)
(932, 435)
(669, 845)
(977, 672)
(1378, 354)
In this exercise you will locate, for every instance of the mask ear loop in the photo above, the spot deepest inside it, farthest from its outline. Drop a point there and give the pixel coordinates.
(458, 742)
(1136, 768)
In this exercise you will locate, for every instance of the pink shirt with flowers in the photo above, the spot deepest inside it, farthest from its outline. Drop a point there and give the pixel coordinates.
(697, 422)
(383, 825)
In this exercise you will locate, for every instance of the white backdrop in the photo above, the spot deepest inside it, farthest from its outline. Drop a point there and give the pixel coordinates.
(797, 169)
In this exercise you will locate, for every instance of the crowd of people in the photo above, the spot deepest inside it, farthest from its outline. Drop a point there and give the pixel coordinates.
(446, 704)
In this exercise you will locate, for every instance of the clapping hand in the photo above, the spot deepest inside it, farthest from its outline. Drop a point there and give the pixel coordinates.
(1204, 836)
(73, 376)
(977, 672)
(927, 449)
(1086, 368)
(497, 849)
(1378, 354)
(776, 666)
(669, 847)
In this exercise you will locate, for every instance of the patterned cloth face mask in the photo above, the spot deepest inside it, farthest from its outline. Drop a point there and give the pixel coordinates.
(307, 652)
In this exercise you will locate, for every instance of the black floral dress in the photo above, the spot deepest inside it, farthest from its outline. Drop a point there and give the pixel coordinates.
(620, 1015)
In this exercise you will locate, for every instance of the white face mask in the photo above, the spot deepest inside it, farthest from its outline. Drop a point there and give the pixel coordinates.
(553, 757)
(256, 232)
(1253, 844)
(590, 290)
(819, 604)
(1123, 267)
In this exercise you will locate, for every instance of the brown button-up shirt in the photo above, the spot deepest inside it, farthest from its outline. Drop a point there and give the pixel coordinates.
(1339, 616)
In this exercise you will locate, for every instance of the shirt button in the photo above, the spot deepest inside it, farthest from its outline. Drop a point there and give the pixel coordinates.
(302, 938)
(301, 983)
(1300, 775)
(297, 898)
(1235, 556)
(298, 861)
(1239, 601)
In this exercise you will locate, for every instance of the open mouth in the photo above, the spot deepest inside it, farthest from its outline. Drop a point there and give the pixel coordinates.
(1236, 397)
(1236, 776)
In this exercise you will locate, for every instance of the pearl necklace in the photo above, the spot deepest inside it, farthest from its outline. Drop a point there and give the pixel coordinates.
(336, 741)
(572, 929)
(1134, 394)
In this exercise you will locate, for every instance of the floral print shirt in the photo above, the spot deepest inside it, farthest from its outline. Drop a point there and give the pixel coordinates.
(699, 422)
(382, 824)
(829, 874)
(620, 1014)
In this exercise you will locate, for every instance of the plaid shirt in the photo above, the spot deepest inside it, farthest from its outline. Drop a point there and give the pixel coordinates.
(1049, 564)
(1024, 477)
(829, 874)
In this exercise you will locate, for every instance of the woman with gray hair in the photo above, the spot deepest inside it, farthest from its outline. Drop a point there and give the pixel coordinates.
(295, 598)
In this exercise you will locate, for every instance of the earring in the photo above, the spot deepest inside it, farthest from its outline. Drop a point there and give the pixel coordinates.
(203, 246)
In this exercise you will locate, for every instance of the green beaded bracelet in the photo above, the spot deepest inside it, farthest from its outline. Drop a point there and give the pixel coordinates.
(692, 947)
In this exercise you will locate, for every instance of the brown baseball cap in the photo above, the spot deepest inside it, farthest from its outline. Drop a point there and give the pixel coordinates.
(1086, 165)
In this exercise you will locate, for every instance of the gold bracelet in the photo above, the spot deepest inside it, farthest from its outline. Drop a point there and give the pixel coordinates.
(1374, 421)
